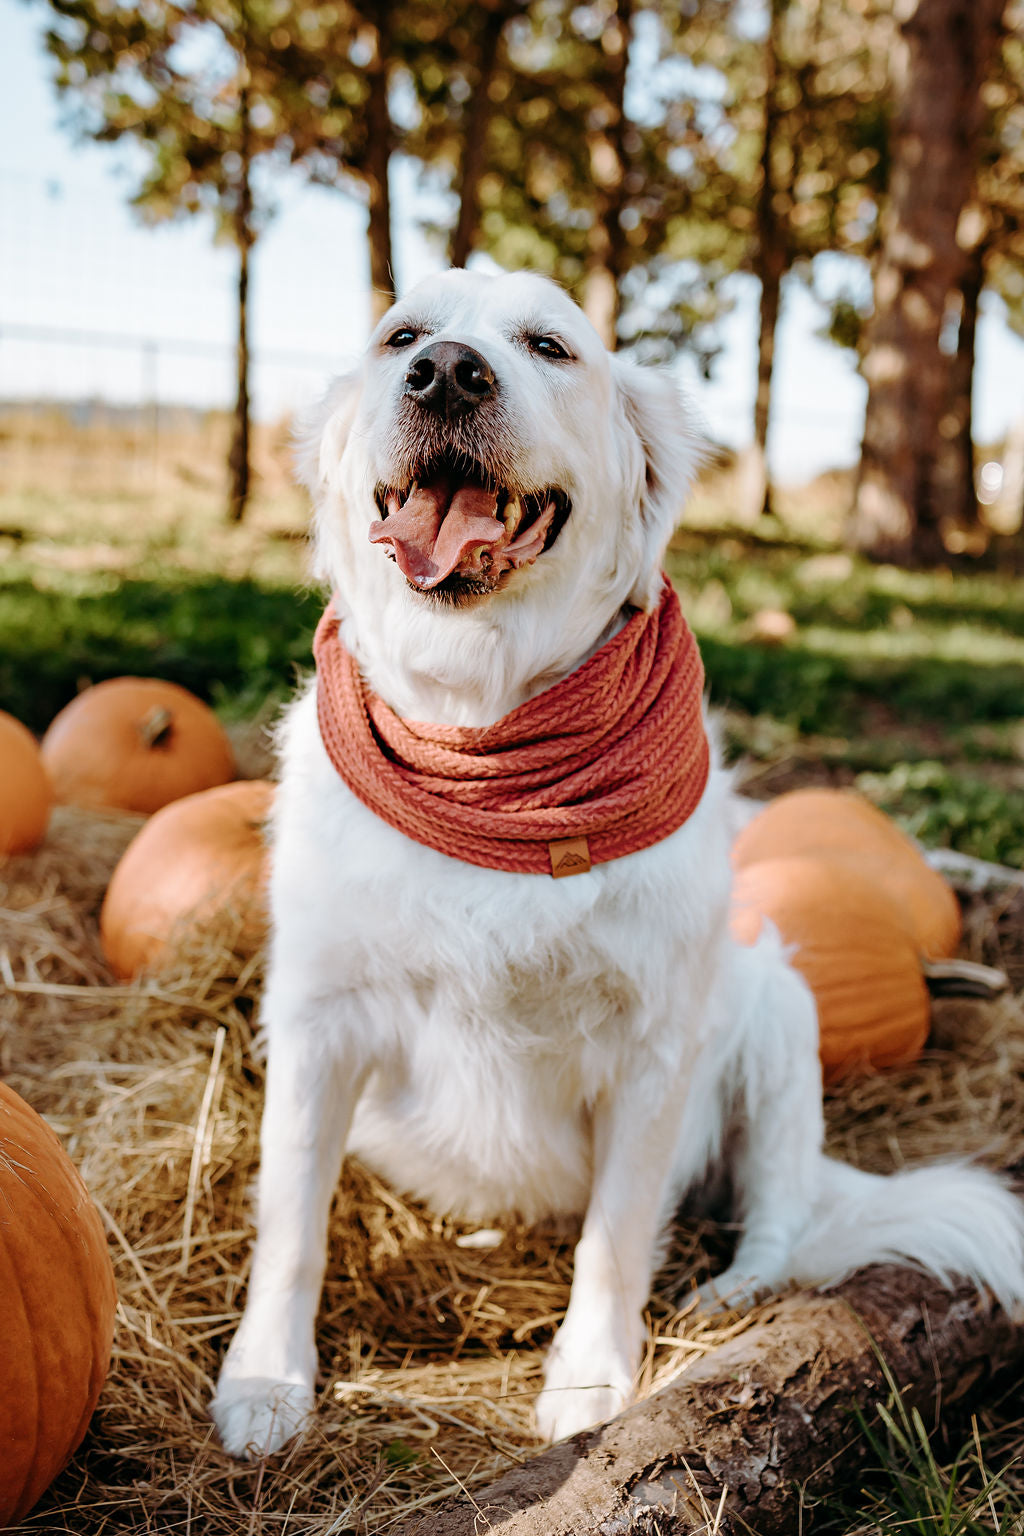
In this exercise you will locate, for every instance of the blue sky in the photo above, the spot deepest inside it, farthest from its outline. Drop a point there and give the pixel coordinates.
(76, 265)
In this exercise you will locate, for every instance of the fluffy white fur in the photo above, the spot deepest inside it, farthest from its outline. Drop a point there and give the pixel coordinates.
(492, 1042)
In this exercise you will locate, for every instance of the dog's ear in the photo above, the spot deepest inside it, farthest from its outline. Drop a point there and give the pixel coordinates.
(321, 430)
(672, 448)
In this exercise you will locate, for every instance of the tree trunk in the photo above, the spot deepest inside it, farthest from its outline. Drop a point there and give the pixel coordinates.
(940, 62)
(474, 139)
(1009, 507)
(238, 457)
(771, 259)
(606, 146)
(735, 1443)
(379, 142)
(955, 470)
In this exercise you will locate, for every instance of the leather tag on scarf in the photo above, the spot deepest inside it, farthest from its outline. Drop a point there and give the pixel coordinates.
(569, 856)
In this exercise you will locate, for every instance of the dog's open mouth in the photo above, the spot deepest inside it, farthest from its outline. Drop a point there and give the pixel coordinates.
(452, 525)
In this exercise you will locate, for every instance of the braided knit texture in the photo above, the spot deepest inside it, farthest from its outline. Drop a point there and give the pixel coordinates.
(615, 753)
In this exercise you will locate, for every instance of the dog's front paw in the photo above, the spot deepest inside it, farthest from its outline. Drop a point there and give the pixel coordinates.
(562, 1411)
(256, 1415)
(582, 1387)
(731, 1291)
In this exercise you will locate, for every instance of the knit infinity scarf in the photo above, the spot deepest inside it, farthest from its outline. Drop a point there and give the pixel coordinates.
(608, 761)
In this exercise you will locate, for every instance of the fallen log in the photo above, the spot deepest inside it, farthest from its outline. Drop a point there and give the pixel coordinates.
(755, 1425)
(967, 873)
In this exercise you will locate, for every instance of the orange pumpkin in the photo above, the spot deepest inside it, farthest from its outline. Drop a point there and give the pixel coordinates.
(135, 744)
(26, 793)
(843, 825)
(853, 949)
(57, 1301)
(193, 861)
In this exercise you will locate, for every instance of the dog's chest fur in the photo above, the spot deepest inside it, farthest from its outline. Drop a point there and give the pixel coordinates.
(497, 1007)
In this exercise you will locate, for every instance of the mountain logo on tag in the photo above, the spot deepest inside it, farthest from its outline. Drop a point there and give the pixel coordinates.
(570, 861)
(569, 856)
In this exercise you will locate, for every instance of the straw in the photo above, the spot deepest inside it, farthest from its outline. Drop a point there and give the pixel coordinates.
(430, 1349)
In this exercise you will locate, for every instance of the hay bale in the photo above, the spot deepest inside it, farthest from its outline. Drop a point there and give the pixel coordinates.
(430, 1350)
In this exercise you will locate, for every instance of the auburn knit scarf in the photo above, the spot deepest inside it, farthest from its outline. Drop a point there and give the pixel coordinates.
(608, 761)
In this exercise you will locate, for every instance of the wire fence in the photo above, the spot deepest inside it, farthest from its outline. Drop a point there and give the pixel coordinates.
(104, 410)
(117, 354)
(116, 349)
(117, 361)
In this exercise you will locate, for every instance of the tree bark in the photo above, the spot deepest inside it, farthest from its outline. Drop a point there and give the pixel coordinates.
(772, 261)
(238, 456)
(379, 143)
(607, 242)
(941, 60)
(738, 1441)
(474, 140)
(1009, 507)
(956, 468)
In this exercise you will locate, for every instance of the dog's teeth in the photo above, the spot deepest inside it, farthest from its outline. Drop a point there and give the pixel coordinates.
(512, 514)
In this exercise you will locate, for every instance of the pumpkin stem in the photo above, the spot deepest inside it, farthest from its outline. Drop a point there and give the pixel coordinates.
(963, 978)
(155, 726)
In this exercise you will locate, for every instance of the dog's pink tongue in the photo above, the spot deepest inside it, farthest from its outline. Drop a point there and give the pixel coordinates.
(435, 531)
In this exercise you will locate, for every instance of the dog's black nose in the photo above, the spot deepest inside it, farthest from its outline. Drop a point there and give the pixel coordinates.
(449, 378)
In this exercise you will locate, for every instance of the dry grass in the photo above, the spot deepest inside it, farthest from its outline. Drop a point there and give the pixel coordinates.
(165, 451)
(430, 1348)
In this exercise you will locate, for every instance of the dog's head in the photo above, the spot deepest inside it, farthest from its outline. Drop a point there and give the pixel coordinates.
(491, 461)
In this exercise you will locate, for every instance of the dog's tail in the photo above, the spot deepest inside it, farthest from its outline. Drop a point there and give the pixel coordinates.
(949, 1219)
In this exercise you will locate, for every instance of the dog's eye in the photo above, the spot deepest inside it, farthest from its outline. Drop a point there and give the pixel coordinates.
(403, 337)
(547, 346)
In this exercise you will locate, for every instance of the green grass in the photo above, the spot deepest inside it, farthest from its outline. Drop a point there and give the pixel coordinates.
(924, 648)
(911, 1488)
(910, 683)
(236, 643)
(939, 805)
(101, 586)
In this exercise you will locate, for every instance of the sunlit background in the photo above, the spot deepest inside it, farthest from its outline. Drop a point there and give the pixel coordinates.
(98, 308)
(679, 165)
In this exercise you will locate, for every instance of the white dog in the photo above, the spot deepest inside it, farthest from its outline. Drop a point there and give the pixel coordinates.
(493, 1042)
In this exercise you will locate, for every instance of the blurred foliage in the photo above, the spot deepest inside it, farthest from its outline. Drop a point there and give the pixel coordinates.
(236, 643)
(646, 117)
(208, 94)
(938, 805)
(997, 215)
(909, 683)
(690, 142)
(671, 143)
(205, 87)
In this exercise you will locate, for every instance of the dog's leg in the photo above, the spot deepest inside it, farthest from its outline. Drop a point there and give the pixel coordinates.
(776, 1180)
(591, 1367)
(265, 1391)
(778, 1161)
